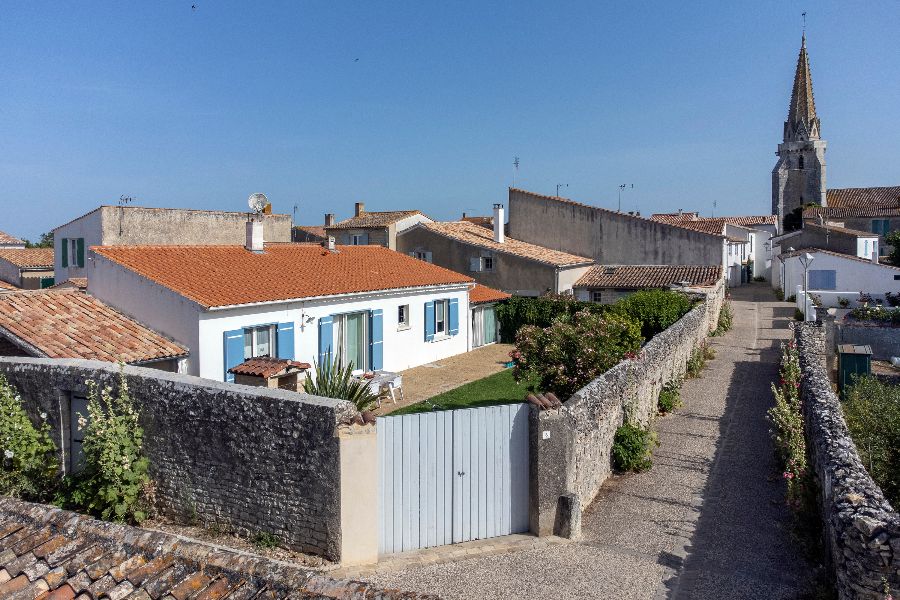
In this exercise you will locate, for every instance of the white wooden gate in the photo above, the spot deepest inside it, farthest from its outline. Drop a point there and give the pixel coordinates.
(452, 476)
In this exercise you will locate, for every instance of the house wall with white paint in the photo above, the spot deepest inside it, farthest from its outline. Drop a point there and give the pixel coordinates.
(88, 227)
(849, 276)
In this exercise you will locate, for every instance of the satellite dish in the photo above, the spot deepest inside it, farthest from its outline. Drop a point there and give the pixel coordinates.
(257, 202)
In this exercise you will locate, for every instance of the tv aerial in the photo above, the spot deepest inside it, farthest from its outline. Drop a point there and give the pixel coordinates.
(257, 202)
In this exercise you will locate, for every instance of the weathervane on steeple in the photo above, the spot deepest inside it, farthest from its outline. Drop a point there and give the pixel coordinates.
(804, 28)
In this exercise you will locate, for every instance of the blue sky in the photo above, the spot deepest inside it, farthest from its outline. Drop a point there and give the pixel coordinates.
(199, 108)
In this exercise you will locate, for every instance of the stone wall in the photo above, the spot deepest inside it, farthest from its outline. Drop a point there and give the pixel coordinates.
(861, 529)
(884, 339)
(571, 446)
(245, 458)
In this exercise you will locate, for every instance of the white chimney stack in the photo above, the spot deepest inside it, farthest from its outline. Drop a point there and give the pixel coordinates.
(330, 243)
(499, 236)
(254, 235)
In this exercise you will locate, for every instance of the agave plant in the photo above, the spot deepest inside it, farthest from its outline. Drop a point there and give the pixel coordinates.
(334, 380)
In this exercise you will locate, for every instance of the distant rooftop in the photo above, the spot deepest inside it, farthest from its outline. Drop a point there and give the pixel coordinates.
(482, 294)
(28, 258)
(8, 240)
(368, 219)
(636, 277)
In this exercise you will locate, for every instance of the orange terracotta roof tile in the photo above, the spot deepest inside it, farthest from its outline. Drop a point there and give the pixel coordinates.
(871, 197)
(72, 324)
(26, 258)
(483, 221)
(374, 219)
(7, 287)
(231, 275)
(481, 237)
(309, 233)
(840, 230)
(635, 277)
(9, 240)
(743, 221)
(267, 366)
(482, 293)
(72, 282)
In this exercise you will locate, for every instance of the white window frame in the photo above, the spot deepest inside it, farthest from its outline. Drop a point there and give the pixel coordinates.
(340, 338)
(403, 317)
(254, 341)
(445, 305)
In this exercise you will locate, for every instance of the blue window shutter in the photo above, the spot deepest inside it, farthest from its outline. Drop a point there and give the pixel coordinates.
(822, 279)
(376, 345)
(285, 343)
(234, 351)
(65, 252)
(325, 338)
(79, 247)
(429, 321)
(454, 316)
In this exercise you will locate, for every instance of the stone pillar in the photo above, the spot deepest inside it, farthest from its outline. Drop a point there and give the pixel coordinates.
(551, 468)
(359, 494)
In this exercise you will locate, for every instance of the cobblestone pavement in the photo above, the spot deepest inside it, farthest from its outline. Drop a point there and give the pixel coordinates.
(707, 521)
(426, 381)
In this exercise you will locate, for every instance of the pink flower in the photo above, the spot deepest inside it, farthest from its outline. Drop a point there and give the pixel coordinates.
(788, 475)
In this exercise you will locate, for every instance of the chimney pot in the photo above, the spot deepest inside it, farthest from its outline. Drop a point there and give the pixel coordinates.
(499, 234)
(360, 208)
(330, 243)
(329, 219)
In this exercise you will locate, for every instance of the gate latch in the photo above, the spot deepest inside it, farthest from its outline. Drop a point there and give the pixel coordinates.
(460, 473)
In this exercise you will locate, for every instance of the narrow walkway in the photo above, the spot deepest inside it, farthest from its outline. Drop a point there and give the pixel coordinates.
(707, 521)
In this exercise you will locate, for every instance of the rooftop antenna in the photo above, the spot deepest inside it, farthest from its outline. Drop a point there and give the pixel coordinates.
(804, 24)
(559, 185)
(123, 200)
(622, 187)
(294, 218)
(516, 169)
(714, 208)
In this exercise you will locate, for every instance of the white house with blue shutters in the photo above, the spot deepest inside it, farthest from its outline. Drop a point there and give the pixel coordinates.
(832, 276)
(368, 305)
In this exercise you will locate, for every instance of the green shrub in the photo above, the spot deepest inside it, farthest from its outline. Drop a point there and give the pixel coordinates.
(570, 353)
(28, 462)
(779, 293)
(798, 315)
(759, 278)
(791, 298)
(632, 448)
(726, 320)
(655, 310)
(264, 540)
(872, 411)
(115, 479)
(333, 380)
(877, 314)
(893, 239)
(518, 311)
(843, 302)
(698, 358)
(669, 397)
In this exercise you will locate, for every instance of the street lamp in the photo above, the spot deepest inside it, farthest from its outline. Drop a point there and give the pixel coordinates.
(806, 260)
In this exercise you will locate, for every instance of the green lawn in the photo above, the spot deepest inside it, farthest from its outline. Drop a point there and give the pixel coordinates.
(499, 388)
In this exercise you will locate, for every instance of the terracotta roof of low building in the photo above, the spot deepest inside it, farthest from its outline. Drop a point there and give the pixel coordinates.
(838, 254)
(636, 277)
(712, 227)
(72, 324)
(316, 231)
(374, 219)
(481, 237)
(483, 221)
(840, 230)
(830, 212)
(8, 287)
(79, 283)
(28, 258)
(9, 240)
(55, 554)
(267, 366)
(215, 276)
(871, 197)
(482, 294)
(692, 217)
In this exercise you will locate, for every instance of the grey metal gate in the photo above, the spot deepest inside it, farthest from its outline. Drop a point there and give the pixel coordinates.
(452, 476)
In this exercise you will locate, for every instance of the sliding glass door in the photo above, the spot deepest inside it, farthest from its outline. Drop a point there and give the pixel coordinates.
(352, 339)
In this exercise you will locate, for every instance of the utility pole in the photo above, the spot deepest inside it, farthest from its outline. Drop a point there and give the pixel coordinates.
(559, 185)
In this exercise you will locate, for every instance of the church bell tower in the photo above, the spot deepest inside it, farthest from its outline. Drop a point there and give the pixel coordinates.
(799, 175)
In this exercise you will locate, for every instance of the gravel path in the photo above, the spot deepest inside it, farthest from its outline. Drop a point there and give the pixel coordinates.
(707, 521)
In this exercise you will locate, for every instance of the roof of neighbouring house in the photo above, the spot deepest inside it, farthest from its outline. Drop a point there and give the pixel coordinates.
(72, 324)
(843, 230)
(312, 230)
(482, 294)
(55, 554)
(79, 283)
(871, 197)
(214, 276)
(374, 219)
(483, 221)
(742, 221)
(9, 240)
(794, 253)
(8, 287)
(28, 258)
(481, 237)
(635, 277)
(267, 366)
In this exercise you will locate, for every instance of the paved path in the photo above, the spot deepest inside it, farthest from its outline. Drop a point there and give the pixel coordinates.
(707, 521)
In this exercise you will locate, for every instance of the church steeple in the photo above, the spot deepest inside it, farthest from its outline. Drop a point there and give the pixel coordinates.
(802, 123)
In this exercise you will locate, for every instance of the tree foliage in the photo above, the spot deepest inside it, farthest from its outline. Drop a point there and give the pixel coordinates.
(655, 310)
(517, 311)
(46, 241)
(28, 462)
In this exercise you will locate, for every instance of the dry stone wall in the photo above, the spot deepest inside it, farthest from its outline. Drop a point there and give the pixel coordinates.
(244, 458)
(861, 529)
(571, 447)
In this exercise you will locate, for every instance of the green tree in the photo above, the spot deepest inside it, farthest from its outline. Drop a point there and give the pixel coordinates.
(893, 239)
(655, 310)
(46, 241)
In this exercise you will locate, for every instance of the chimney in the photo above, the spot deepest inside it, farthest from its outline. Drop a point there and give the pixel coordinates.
(329, 244)
(254, 235)
(329, 219)
(499, 236)
(679, 212)
(360, 208)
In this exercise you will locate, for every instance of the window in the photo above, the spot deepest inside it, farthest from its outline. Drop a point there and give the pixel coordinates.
(357, 239)
(440, 317)
(596, 296)
(351, 339)
(881, 226)
(422, 255)
(72, 252)
(866, 246)
(488, 262)
(259, 341)
(800, 162)
(822, 279)
(403, 316)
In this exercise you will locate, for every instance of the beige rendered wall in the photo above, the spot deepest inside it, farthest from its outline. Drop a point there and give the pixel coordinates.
(359, 494)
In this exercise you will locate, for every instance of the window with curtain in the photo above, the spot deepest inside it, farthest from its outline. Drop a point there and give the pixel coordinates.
(351, 339)
(440, 317)
(259, 341)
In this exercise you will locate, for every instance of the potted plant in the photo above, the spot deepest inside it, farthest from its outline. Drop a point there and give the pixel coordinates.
(864, 299)
(843, 302)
